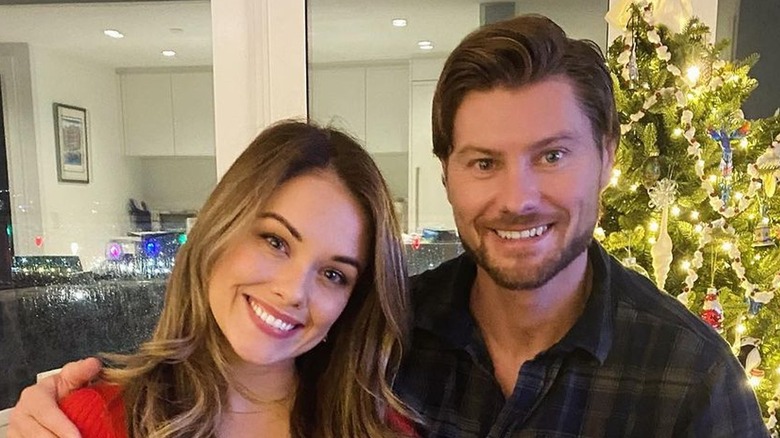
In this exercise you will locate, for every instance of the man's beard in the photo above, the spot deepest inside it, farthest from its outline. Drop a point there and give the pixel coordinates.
(511, 279)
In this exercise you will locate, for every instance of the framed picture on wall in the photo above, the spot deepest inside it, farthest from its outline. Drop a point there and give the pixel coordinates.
(70, 131)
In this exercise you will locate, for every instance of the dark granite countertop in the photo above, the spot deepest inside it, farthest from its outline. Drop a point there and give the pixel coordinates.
(43, 328)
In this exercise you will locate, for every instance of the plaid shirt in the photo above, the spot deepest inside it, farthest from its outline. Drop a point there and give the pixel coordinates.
(636, 363)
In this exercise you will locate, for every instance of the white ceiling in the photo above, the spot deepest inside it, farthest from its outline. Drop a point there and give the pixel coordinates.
(340, 30)
(77, 30)
(347, 30)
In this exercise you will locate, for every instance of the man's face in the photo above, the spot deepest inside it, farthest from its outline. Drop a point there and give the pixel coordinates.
(524, 180)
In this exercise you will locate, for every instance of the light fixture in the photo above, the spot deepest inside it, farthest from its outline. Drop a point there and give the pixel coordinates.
(425, 45)
(168, 53)
(399, 22)
(113, 33)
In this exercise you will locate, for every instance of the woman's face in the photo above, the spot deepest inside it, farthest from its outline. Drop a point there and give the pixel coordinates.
(285, 279)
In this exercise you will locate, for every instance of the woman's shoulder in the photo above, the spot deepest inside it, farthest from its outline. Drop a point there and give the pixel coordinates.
(98, 411)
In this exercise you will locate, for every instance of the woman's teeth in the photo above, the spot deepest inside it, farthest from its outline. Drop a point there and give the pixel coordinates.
(525, 234)
(270, 319)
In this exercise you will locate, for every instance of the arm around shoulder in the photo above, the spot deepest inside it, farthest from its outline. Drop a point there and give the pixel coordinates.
(97, 411)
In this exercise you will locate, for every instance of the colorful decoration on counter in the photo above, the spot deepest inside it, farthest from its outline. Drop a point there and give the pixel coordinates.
(152, 248)
(416, 241)
(114, 251)
(712, 311)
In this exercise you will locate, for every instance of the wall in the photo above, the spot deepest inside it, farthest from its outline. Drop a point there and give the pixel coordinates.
(758, 32)
(177, 183)
(88, 214)
(587, 23)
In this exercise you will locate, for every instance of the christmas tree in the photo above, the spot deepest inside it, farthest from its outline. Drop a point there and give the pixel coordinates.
(692, 201)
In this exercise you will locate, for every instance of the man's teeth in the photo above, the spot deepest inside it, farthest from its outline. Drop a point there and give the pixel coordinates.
(525, 234)
(270, 319)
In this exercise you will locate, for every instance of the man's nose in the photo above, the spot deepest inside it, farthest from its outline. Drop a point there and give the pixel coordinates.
(520, 190)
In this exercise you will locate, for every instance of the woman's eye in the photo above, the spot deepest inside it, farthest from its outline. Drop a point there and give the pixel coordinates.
(274, 241)
(553, 156)
(335, 277)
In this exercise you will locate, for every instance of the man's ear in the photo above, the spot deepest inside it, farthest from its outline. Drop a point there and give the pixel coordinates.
(609, 147)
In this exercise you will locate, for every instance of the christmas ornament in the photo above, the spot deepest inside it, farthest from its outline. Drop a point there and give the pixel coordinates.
(662, 196)
(630, 263)
(762, 235)
(724, 139)
(633, 67)
(768, 165)
(749, 355)
(671, 13)
(712, 311)
(651, 170)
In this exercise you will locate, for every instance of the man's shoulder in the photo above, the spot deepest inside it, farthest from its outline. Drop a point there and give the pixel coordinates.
(641, 305)
(440, 280)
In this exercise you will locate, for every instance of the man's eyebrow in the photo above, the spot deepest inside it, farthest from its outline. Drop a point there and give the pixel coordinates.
(279, 218)
(474, 149)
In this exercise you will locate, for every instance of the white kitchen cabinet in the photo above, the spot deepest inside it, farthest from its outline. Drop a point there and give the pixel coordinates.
(148, 114)
(339, 99)
(428, 205)
(193, 113)
(168, 113)
(387, 109)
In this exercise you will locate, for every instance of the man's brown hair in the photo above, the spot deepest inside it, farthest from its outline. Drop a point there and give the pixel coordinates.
(518, 52)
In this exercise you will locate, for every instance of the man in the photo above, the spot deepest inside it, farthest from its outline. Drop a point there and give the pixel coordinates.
(536, 331)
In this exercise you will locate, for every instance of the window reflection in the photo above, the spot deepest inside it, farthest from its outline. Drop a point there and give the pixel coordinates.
(373, 70)
(149, 136)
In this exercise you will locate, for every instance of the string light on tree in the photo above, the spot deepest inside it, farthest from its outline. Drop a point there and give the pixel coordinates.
(680, 118)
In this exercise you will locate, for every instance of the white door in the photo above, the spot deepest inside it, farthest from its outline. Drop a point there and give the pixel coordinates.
(428, 205)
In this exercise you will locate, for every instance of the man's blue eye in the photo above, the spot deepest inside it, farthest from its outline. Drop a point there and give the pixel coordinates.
(553, 156)
(484, 163)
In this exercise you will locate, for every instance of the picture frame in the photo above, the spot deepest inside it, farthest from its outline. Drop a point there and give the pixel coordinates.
(71, 139)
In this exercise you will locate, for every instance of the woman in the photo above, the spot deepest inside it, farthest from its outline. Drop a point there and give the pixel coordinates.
(287, 309)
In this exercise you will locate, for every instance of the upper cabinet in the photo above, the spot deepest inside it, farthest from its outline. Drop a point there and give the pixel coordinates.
(371, 102)
(168, 113)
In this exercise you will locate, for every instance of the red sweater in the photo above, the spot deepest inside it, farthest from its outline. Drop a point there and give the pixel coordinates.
(99, 412)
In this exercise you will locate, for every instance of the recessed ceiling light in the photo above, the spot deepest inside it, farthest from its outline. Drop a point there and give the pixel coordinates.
(168, 53)
(399, 22)
(113, 33)
(425, 45)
